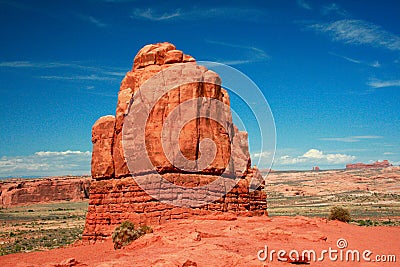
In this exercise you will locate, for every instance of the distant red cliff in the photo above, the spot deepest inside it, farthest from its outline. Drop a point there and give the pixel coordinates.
(14, 192)
(377, 164)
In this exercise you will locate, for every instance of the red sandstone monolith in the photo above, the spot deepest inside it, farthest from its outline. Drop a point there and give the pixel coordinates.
(115, 195)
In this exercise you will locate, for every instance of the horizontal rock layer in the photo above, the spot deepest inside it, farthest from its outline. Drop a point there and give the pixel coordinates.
(117, 200)
(15, 192)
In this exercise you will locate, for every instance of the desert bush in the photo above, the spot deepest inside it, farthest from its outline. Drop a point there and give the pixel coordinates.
(126, 233)
(144, 229)
(340, 214)
(368, 223)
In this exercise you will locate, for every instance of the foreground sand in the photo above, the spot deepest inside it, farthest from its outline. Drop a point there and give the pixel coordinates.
(224, 240)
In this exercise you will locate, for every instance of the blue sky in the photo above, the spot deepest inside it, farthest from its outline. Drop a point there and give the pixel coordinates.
(330, 71)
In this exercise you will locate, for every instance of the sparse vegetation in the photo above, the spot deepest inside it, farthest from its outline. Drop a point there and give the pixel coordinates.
(340, 214)
(363, 192)
(41, 239)
(41, 226)
(126, 233)
(369, 222)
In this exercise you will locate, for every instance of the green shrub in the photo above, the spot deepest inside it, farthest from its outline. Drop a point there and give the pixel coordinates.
(145, 229)
(126, 233)
(387, 222)
(340, 214)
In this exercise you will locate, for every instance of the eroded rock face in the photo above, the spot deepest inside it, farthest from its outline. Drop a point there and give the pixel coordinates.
(102, 139)
(116, 196)
(15, 192)
(150, 60)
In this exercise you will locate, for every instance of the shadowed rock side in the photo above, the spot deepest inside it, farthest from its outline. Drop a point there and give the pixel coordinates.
(115, 196)
(15, 192)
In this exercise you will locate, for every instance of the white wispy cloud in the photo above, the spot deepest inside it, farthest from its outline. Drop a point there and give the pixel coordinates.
(374, 64)
(100, 93)
(304, 4)
(156, 14)
(250, 53)
(351, 139)
(382, 84)
(315, 156)
(235, 62)
(62, 153)
(261, 53)
(92, 20)
(16, 64)
(359, 32)
(340, 139)
(97, 73)
(333, 8)
(264, 155)
(92, 77)
(52, 65)
(114, 73)
(46, 163)
(30, 64)
(367, 136)
(388, 153)
(346, 58)
(151, 14)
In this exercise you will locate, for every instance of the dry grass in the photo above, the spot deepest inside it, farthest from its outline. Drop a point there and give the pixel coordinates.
(41, 226)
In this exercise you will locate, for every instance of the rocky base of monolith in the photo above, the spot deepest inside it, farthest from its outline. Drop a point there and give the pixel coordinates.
(117, 200)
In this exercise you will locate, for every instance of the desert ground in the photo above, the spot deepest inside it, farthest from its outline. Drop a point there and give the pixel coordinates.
(41, 226)
(298, 205)
(371, 195)
(225, 240)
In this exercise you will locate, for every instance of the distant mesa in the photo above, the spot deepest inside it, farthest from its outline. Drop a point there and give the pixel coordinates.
(375, 165)
(17, 192)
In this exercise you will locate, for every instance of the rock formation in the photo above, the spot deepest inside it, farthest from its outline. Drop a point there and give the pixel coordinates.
(14, 192)
(315, 168)
(115, 194)
(377, 164)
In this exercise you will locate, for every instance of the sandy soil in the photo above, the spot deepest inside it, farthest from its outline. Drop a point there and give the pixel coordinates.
(225, 240)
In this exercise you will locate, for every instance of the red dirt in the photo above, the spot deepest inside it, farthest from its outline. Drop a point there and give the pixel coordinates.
(223, 240)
